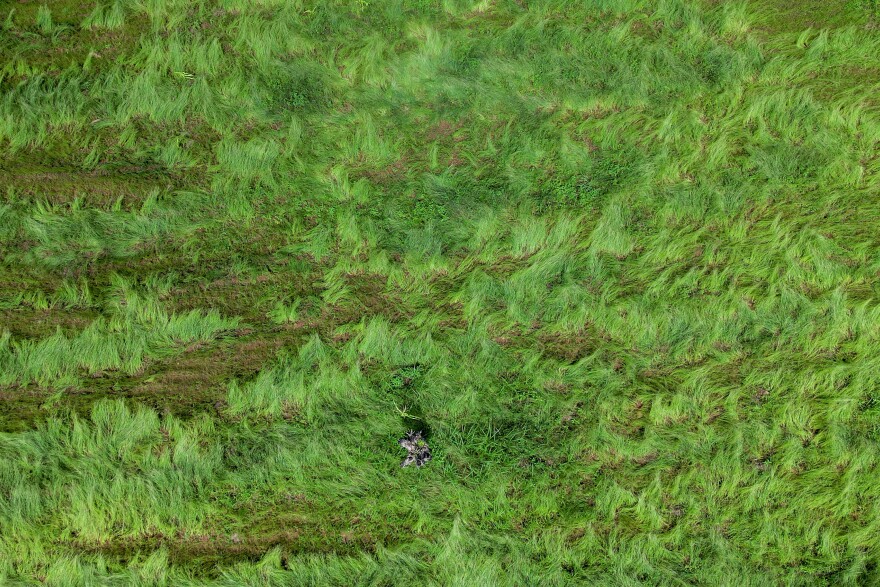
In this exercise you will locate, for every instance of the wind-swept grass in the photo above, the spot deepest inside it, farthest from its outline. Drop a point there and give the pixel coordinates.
(139, 329)
(617, 259)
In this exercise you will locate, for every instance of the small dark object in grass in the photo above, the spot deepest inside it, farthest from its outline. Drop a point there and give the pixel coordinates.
(417, 449)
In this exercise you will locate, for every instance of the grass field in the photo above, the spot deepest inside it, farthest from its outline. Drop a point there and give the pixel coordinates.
(618, 259)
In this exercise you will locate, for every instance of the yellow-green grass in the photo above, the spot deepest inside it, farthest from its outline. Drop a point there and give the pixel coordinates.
(619, 257)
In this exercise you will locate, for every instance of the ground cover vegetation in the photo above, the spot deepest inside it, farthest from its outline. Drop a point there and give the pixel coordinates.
(617, 260)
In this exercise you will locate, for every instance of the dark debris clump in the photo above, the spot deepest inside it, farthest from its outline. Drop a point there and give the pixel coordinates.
(416, 447)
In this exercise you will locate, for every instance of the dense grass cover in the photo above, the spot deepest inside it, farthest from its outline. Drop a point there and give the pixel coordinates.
(619, 259)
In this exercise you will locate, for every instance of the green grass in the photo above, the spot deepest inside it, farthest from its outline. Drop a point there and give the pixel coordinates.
(618, 258)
